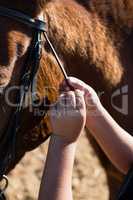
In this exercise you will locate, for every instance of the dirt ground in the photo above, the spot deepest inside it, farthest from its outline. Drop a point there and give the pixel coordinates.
(89, 180)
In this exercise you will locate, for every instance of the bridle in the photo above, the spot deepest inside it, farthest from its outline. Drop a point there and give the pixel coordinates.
(27, 82)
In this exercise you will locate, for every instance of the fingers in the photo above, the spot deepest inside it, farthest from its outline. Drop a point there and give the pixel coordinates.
(66, 102)
(80, 102)
(69, 102)
(74, 83)
(89, 92)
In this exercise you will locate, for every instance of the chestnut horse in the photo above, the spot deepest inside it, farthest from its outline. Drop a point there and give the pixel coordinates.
(94, 44)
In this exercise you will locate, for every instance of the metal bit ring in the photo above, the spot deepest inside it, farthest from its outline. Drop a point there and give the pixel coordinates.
(5, 180)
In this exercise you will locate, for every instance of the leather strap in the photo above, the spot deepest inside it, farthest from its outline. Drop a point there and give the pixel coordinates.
(2, 196)
(28, 81)
(22, 18)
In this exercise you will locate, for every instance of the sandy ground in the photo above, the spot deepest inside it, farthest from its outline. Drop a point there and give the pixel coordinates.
(89, 180)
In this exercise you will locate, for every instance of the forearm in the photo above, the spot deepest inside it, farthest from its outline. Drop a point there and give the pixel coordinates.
(116, 142)
(56, 182)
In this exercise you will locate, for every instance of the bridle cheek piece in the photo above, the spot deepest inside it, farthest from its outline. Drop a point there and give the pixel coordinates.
(27, 81)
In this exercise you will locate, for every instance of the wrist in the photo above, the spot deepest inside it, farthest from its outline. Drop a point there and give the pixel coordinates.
(62, 140)
(94, 116)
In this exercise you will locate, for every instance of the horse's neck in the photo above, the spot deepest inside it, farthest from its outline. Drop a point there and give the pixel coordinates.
(80, 36)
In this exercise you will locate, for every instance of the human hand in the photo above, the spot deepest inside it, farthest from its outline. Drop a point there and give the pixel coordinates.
(93, 104)
(91, 98)
(68, 116)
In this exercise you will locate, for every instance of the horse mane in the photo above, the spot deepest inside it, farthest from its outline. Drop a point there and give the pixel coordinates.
(120, 10)
(78, 31)
(123, 12)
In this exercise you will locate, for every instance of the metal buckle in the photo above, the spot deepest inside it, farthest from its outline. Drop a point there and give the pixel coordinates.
(4, 182)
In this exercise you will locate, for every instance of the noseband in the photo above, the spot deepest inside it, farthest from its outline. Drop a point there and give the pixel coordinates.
(27, 81)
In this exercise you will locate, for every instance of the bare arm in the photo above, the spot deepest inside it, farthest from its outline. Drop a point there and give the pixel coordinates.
(56, 181)
(68, 119)
(115, 141)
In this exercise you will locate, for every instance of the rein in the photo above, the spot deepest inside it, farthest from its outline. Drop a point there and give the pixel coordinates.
(27, 82)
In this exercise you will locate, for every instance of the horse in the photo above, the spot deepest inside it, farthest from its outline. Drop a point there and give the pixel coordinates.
(93, 42)
(17, 44)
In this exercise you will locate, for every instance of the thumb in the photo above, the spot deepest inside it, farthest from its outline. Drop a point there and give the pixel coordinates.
(76, 83)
